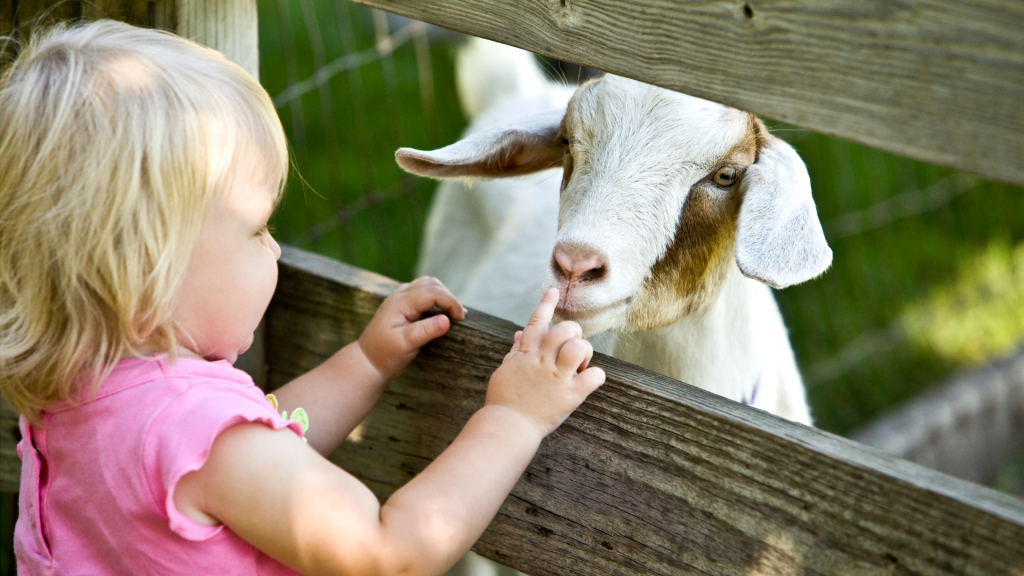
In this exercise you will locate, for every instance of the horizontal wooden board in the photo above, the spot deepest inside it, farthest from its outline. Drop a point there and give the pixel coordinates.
(937, 80)
(968, 426)
(649, 476)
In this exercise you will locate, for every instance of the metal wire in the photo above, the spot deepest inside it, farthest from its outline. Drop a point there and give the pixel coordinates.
(367, 195)
(350, 61)
(901, 206)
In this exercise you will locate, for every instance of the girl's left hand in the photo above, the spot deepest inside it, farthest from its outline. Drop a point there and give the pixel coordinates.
(396, 332)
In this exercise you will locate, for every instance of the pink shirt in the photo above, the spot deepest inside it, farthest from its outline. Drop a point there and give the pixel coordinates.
(98, 479)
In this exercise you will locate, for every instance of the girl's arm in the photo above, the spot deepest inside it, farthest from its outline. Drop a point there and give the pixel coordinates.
(288, 501)
(338, 394)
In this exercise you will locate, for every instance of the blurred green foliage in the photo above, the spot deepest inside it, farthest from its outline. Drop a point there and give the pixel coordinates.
(926, 273)
(345, 185)
(907, 302)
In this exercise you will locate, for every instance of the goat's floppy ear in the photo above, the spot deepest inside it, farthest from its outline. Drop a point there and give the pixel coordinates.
(779, 239)
(522, 146)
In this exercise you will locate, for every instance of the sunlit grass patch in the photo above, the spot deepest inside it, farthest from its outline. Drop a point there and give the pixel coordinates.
(979, 314)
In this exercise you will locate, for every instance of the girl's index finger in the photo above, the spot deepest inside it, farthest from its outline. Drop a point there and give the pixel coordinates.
(537, 327)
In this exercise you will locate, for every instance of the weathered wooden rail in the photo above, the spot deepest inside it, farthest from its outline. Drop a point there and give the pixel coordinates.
(968, 426)
(649, 476)
(937, 80)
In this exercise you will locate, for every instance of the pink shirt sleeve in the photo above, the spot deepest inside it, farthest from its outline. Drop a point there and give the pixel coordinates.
(179, 439)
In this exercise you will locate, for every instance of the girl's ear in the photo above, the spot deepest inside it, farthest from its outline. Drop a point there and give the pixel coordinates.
(779, 239)
(515, 148)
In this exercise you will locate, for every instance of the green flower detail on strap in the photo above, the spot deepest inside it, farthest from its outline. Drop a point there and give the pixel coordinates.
(298, 416)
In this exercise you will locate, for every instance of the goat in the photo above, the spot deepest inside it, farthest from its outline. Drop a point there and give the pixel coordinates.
(674, 217)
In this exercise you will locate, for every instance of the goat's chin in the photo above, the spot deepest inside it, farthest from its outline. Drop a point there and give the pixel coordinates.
(594, 322)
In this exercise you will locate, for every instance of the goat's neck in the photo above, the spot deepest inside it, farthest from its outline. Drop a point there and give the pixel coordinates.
(718, 348)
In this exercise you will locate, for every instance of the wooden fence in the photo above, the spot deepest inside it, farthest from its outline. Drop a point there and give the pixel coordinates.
(937, 80)
(651, 476)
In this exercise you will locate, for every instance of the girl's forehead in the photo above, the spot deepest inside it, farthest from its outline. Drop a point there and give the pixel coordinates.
(255, 166)
(252, 205)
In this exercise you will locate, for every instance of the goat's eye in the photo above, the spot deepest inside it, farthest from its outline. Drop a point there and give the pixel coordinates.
(565, 141)
(567, 166)
(725, 176)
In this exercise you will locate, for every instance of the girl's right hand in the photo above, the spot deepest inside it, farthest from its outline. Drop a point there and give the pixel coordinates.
(545, 375)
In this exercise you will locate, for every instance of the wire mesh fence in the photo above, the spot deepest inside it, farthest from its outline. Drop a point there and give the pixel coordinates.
(351, 85)
(924, 280)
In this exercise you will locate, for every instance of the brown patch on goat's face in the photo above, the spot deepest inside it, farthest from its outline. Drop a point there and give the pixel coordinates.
(690, 274)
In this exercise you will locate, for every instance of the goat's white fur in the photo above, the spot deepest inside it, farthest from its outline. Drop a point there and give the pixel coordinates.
(641, 157)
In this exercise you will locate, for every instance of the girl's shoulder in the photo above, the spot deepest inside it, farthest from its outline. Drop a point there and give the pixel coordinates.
(188, 398)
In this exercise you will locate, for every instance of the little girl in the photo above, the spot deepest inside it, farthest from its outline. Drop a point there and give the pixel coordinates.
(137, 174)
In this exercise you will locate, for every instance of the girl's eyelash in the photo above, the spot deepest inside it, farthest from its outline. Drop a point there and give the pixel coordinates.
(267, 229)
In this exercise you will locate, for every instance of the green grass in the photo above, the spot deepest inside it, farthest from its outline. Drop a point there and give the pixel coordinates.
(904, 304)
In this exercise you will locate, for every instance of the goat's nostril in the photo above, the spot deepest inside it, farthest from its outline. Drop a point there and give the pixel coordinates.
(586, 268)
(594, 274)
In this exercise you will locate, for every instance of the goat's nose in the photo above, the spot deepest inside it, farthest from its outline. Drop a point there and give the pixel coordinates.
(582, 267)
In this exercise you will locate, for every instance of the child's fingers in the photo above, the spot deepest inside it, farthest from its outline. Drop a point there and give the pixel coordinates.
(589, 380)
(574, 354)
(559, 335)
(419, 333)
(425, 293)
(586, 362)
(537, 327)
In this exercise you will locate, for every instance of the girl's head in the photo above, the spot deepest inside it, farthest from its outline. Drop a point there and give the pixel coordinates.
(116, 144)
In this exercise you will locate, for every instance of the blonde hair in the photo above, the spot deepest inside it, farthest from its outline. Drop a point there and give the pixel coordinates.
(113, 142)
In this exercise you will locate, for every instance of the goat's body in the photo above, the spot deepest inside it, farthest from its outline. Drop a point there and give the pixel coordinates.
(737, 347)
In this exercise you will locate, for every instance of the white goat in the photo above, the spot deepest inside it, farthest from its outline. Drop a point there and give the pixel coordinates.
(674, 213)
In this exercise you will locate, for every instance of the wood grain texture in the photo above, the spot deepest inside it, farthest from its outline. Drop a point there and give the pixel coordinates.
(229, 26)
(136, 12)
(937, 80)
(649, 476)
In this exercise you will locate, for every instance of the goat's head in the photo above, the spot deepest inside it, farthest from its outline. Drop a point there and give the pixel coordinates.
(660, 191)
